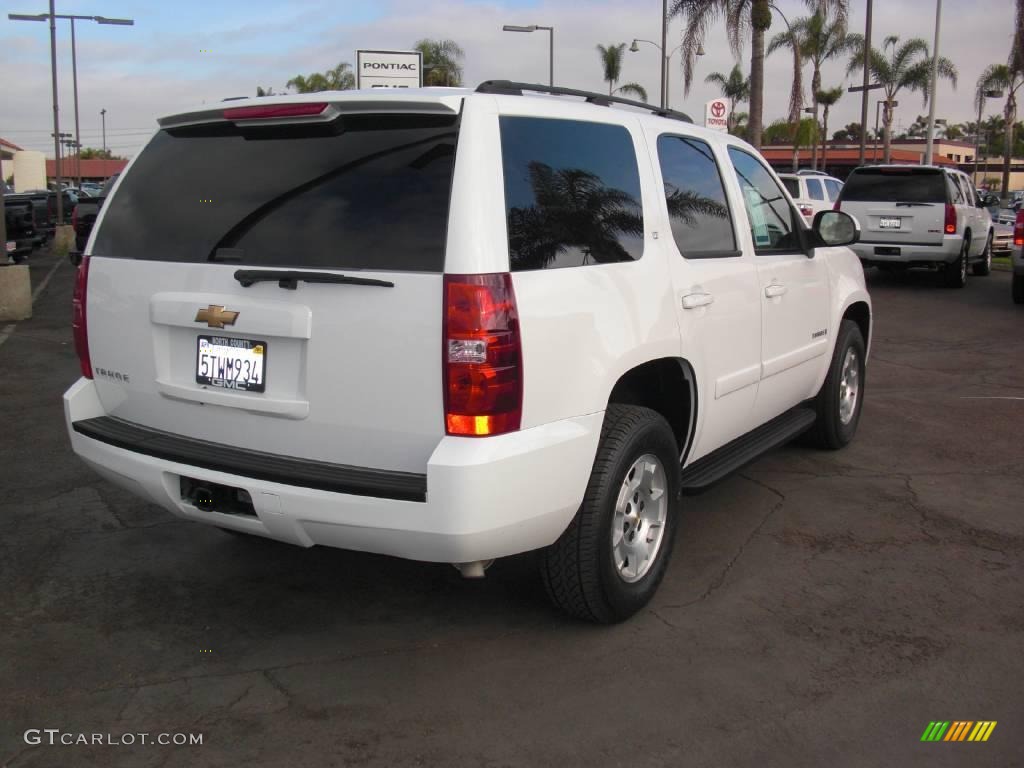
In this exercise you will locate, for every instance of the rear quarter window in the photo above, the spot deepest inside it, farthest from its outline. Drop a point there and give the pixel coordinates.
(572, 193)
(364, 192)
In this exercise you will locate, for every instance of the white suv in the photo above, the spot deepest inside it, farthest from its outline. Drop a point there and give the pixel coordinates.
(919, 216)
(454, 325)
(812, 192)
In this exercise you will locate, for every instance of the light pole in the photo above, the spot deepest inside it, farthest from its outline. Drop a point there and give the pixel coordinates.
(103, 117)
(865, 86)
(989, 94)
(551, 44)
(51, 16)
(935, 76)
(665, 66)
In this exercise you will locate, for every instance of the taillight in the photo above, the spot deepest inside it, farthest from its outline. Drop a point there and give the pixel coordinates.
(482, 356)
(806, 211)
(1018, 228)
(275, 111)
(837, 206)
(78, 320)
(950, 219)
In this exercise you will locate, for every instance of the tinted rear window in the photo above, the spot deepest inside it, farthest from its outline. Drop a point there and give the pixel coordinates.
(572, 193)
(365, 192)
(895, 186)
(793, 187)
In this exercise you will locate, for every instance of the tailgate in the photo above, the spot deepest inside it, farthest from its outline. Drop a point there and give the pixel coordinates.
(916, 223)
(897, 204)
(299, 362)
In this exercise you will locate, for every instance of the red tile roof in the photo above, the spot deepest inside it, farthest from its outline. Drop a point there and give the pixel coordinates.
(9, 145)
(91, 169)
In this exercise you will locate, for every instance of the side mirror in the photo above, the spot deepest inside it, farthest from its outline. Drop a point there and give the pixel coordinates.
(833, 228)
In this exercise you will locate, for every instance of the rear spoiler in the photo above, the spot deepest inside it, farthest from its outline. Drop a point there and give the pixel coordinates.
(384, 104)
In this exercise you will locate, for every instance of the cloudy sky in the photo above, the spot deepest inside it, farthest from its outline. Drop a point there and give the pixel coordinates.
(185, 52)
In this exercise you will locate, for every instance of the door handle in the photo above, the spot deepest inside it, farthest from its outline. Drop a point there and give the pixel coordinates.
(694, 300)
(774, 290)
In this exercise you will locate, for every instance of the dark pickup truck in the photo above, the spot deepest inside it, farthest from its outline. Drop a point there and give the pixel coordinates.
(84, 215)
(21, 231)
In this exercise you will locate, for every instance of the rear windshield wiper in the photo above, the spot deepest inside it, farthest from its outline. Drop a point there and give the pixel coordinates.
(290, 278)
(911, 205)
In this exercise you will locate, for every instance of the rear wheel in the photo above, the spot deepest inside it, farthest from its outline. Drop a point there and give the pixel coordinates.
(838, 403)
(984, 267)
(609, 561)
(1018, 289)
(954, 275)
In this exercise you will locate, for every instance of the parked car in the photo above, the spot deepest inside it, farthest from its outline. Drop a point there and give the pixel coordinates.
(812, 191)
(919, 216)
(21, 233)
(628, 307)
(84, 214)
(1002, 239)
(41, 222)
(1018, 259)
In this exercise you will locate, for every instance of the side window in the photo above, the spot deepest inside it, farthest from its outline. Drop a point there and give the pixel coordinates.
(572, 193)
(833, 188)
(773, 224)
(697, 206)
(956, 194)
(814, 189)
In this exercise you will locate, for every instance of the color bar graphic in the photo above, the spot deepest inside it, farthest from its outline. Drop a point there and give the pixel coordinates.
(958, 730)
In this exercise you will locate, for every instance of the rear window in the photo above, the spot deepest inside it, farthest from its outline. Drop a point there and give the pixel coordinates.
(572, 193)
(888, 185)
(793, 187)
(364, 192)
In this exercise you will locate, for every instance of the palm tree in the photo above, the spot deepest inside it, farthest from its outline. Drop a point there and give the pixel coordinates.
(827, 99)
(735, 88)
(340, 78)
(742, 17)
(1007, 77)
(441, 61)
(793, 39)
(611, 62)
(825, 38)
(261, 91)
(896, 67)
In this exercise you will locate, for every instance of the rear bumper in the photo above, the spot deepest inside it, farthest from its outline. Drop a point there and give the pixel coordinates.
(908, 253)
(485, 498)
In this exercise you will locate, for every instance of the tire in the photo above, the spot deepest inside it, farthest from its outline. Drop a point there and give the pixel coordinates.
(1018, 289)
(834, 428)
(584, 573)
(954, 274)
(984, 267)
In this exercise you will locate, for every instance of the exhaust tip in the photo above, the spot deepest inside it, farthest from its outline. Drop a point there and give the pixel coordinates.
(473, 570)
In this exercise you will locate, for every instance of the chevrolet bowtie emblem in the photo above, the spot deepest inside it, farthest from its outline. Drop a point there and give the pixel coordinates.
(216, 317)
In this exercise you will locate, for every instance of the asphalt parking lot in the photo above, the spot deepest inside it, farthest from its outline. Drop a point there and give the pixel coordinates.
(820, 610)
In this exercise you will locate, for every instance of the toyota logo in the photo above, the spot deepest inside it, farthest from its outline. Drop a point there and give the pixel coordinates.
(717, 108)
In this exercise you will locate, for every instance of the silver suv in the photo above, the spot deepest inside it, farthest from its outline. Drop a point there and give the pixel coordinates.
(919, 216)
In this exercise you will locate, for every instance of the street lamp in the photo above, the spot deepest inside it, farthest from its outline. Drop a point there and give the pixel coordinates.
(666, 69)
(74, 61)
(551, 44)
(989, 94)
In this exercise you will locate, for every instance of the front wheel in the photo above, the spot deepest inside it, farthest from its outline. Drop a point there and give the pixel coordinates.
(984, 267)
(609, 561)
(954, 274)
(838, 404)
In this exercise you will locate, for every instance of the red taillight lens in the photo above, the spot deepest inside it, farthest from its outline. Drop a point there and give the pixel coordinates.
(837, 206)
(950, 219)
(1018, 228)
(78, 321)
(272, 111)
(482, 356)
(806, 211)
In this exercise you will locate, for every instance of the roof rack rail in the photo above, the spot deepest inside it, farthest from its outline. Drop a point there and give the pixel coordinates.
(510, 88)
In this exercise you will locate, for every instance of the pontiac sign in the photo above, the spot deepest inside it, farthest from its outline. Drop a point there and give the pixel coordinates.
(389, 69)
(716, 115)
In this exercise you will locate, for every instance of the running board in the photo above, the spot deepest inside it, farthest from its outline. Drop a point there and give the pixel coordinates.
(716, 465)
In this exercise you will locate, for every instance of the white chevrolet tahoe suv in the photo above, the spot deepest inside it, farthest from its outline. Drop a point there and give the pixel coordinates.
(455, 325)
(919, 216)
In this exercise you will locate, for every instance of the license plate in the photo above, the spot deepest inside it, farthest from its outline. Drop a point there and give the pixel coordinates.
(889, 222)
(230, 363)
